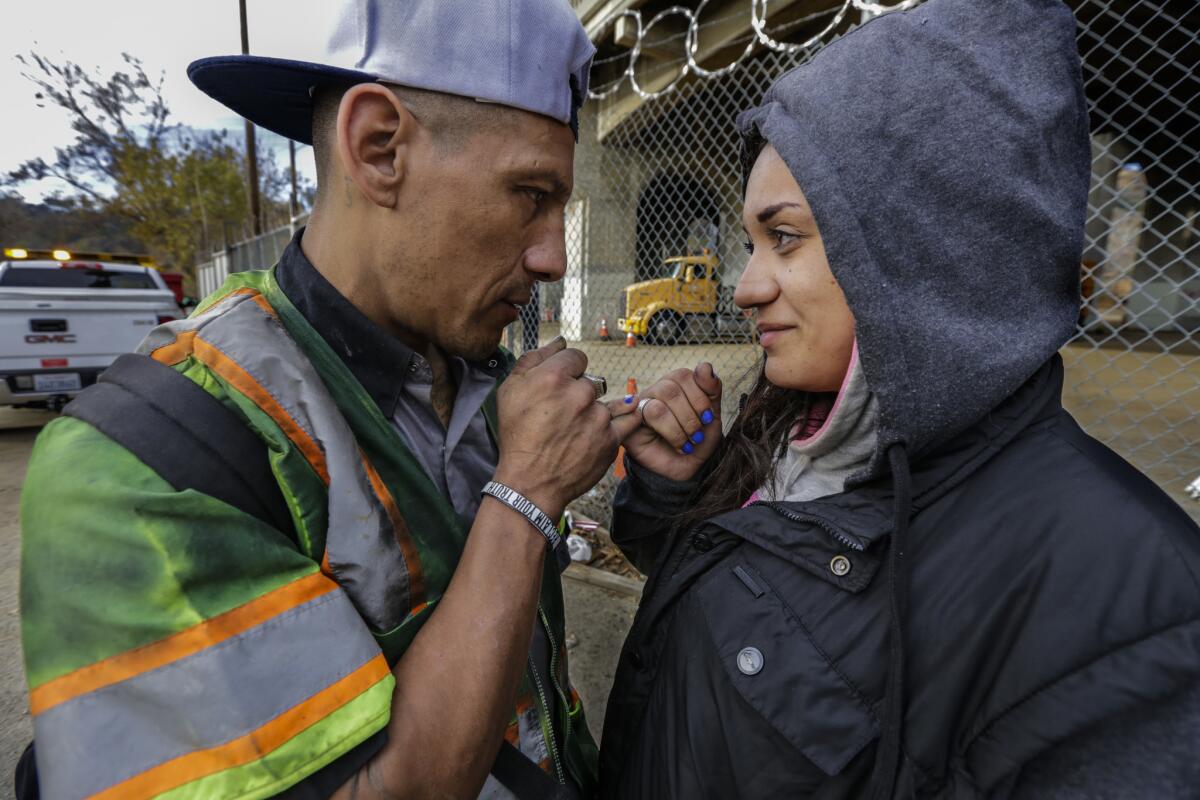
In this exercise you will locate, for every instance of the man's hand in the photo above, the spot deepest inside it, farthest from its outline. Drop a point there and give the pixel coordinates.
(556, 441)
(681, 423)
(457, 682)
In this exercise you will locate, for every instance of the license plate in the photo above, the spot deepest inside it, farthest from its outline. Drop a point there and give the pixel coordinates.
(67, 382)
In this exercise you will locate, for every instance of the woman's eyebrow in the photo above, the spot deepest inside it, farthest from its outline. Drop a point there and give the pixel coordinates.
(772, 210)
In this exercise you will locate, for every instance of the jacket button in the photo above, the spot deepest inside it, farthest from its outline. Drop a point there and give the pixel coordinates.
(750, 661)
(702, 542)
(635, 658)
(840, 566)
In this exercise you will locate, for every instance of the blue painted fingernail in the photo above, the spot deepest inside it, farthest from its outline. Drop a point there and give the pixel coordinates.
(707, 417)
(698, 437)
(688, 449)
(628, 399)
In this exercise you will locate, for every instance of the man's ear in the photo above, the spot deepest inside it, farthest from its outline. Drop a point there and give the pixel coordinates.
(375, 133)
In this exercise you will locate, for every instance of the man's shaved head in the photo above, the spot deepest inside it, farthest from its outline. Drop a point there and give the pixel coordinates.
(451, 120)
(437, 214)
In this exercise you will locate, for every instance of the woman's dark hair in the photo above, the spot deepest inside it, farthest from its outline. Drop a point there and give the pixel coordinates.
(750, 452)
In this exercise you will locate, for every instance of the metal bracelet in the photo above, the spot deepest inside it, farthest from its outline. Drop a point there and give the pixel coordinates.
(537, 518)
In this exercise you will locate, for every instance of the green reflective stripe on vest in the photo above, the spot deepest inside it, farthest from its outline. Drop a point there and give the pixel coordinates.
(182, 695)
(437, 530)
(154, 624)
(434, 523)
(306, 493)
(246, 347)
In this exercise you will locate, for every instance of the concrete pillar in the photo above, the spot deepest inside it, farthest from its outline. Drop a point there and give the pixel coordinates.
(572, 310)
(1124, 243)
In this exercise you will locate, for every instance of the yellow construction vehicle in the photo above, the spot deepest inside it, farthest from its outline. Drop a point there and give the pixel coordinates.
(690, 304)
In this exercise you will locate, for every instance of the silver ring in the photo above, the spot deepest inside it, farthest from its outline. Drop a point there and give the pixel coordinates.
(599, 384)
(641, 407)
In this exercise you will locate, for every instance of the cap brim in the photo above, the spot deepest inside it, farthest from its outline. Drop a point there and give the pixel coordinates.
(273, 93)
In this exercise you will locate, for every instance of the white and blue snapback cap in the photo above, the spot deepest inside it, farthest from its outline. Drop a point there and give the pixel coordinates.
(532, 55)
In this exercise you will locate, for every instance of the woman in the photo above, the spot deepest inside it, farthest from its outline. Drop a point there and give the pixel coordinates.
(906, 571)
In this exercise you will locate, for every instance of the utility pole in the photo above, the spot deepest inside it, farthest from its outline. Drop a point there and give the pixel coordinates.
(251, 150)
(294, 205)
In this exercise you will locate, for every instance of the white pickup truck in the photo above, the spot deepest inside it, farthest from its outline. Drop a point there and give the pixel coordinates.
(65, 317)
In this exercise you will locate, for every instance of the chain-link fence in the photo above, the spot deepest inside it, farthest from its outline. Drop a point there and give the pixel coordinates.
(257, 253)
(654, 230)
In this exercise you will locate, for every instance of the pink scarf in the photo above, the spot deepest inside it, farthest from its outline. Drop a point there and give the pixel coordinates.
(819, 414)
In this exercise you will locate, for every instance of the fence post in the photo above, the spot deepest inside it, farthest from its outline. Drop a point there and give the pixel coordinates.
(1124, 238)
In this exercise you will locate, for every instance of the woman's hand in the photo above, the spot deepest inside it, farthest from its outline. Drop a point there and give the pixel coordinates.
(681, 423)
(556, 440)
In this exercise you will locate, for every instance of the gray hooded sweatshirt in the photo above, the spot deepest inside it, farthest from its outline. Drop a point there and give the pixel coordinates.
(930, 222)
(819, 465)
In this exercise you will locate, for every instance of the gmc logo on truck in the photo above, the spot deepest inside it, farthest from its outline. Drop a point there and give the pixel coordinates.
(50, 338)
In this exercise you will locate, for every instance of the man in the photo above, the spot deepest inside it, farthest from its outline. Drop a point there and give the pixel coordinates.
(394, 628)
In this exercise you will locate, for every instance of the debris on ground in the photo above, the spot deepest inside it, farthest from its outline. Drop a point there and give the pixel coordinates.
(604, 554)
(579, 548)
(596, 504)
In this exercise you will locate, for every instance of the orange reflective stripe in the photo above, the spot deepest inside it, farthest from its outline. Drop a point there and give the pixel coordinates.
(192, 640)
(176, 351)
(254, 745)
(245, 383)
(181, 348)
(243, 290)
(412, 562)
(264, 305)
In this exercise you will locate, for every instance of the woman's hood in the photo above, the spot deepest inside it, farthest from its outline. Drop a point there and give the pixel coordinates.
(945, 153)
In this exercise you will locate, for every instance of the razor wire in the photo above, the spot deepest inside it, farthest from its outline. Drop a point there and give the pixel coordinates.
(691, 39)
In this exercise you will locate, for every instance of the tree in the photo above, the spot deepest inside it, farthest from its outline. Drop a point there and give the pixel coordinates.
(183, 191)
(61, 222)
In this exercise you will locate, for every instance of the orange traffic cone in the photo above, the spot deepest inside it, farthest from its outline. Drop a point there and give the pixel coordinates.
(604, 337)
(630, 340)
(631, 386)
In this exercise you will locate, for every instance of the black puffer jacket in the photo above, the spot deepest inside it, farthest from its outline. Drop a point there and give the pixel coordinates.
(995, 587)
(1055, 592)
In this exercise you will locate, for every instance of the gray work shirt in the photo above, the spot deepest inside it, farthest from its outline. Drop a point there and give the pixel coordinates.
(460, 458)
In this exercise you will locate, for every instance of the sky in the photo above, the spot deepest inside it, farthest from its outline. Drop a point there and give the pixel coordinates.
(165, 34)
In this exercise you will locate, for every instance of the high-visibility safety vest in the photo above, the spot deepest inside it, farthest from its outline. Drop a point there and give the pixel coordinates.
(177, 646)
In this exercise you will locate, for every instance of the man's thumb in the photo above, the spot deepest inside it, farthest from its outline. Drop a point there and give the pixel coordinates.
(531, 359)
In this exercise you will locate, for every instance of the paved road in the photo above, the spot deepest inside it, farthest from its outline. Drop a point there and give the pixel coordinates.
(597, 619)
(17, 432)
